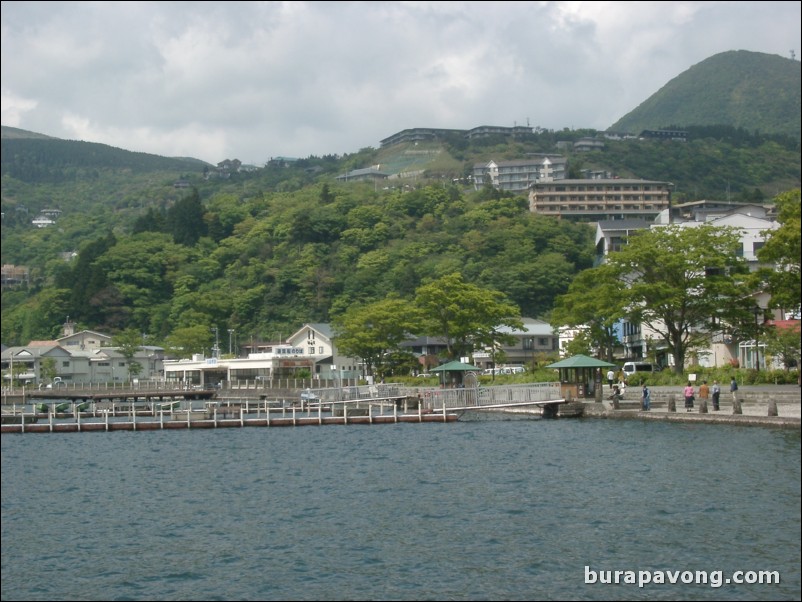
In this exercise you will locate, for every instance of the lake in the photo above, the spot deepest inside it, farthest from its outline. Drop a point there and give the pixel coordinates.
(491, 507)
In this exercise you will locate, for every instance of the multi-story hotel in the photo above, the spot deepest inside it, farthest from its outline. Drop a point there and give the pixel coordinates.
(598, 200)
(518, 175)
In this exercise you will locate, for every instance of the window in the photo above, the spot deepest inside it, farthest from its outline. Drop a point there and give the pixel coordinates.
(65, 364)
(311, 351)
(320, 350)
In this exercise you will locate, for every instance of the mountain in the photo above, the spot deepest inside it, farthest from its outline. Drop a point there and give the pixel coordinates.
(16, 133)
(32, 157)
(739, 88)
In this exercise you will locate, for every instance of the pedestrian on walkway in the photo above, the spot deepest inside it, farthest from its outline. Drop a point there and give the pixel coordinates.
(646, 398)
(689, 396)
(704, 391)
(716, 395)
(734, 389)
(610, 377)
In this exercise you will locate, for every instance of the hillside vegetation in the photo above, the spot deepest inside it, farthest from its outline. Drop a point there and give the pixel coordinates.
(751, 90)
(169, 244)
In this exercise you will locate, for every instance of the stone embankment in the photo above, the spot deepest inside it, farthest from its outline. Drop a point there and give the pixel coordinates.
(777, 406)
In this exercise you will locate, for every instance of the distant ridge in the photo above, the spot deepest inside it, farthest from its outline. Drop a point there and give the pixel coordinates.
(8, 132)
(33, 157)
(744, 89)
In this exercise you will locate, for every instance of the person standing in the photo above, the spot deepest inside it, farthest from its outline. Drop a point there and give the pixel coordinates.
(646, 398)
(734, 389)
(610, 377)
(716, 395)
(704, 391)
(688, 393)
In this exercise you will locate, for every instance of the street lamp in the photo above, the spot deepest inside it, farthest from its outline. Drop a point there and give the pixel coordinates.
(757, 311)
(230, 336)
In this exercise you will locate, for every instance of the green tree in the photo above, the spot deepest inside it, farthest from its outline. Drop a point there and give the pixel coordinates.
(590, 305)
(784, 344)
(185, 220)
(783, 249)
(47, 369)
(128, 343)
(466, 316)
(375, 331)
(677, 280)
(186, 341)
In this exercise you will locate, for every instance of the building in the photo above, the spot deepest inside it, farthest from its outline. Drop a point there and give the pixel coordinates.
(599, 200)
(439, 134)
(518, 175)
(536, 339)
(307, 353)
(641, 342)
(367, 174)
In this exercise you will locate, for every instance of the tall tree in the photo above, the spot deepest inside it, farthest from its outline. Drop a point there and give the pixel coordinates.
(784, 249)
(678, 280)
(372, 332)
(466, 316)
(128, 343)
(185, 220)
(590, 305)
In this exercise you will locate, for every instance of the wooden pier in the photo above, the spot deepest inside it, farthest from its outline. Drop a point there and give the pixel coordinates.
(60, 411)
(200, 419)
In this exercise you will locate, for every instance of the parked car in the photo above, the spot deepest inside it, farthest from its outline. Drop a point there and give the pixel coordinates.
(631, 368)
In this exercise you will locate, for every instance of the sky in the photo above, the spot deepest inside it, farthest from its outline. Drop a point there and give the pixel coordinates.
(256, 80)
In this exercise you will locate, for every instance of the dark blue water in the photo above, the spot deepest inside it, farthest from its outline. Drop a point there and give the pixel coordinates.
(473, 510)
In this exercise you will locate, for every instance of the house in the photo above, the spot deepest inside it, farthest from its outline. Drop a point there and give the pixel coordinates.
(80, 357)
(535, 339)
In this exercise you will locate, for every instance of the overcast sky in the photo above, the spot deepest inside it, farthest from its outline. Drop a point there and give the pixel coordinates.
(255, 80)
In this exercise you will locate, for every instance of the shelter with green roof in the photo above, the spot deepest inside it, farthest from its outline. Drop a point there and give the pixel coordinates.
(581, 376)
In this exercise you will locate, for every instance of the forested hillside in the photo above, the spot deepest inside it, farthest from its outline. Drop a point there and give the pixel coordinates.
(263, 252)
(751, 90)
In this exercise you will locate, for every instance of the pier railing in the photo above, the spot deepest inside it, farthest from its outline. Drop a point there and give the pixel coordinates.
(437, 399)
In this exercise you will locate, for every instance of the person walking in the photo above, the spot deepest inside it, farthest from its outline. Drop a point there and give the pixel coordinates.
(716, 395)
(688, 393)
(646, 398)
(734, 389)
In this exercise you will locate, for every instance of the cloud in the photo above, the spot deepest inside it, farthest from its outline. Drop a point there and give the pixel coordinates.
(253, 80)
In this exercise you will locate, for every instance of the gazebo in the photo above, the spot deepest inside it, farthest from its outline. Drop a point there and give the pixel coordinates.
(457, 369)
(581, 376)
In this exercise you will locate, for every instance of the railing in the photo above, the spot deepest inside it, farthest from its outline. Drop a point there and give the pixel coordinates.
(486, 397)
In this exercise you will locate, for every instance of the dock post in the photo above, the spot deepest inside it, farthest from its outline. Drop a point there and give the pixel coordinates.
(133, 415)
(293, 416)
(370, 413)
(161, 416)
(77, 418)
(320, 413)
(420, 413)
(395, 410)
(51, 412)
(444, 411)
(242, 415)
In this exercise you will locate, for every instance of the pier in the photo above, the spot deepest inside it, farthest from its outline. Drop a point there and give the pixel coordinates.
(85, 411)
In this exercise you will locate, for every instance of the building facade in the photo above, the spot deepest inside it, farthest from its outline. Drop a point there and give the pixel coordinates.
(599, 200)
(519, 175)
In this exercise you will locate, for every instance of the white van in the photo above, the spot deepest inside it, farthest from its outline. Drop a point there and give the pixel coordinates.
(631, 368)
